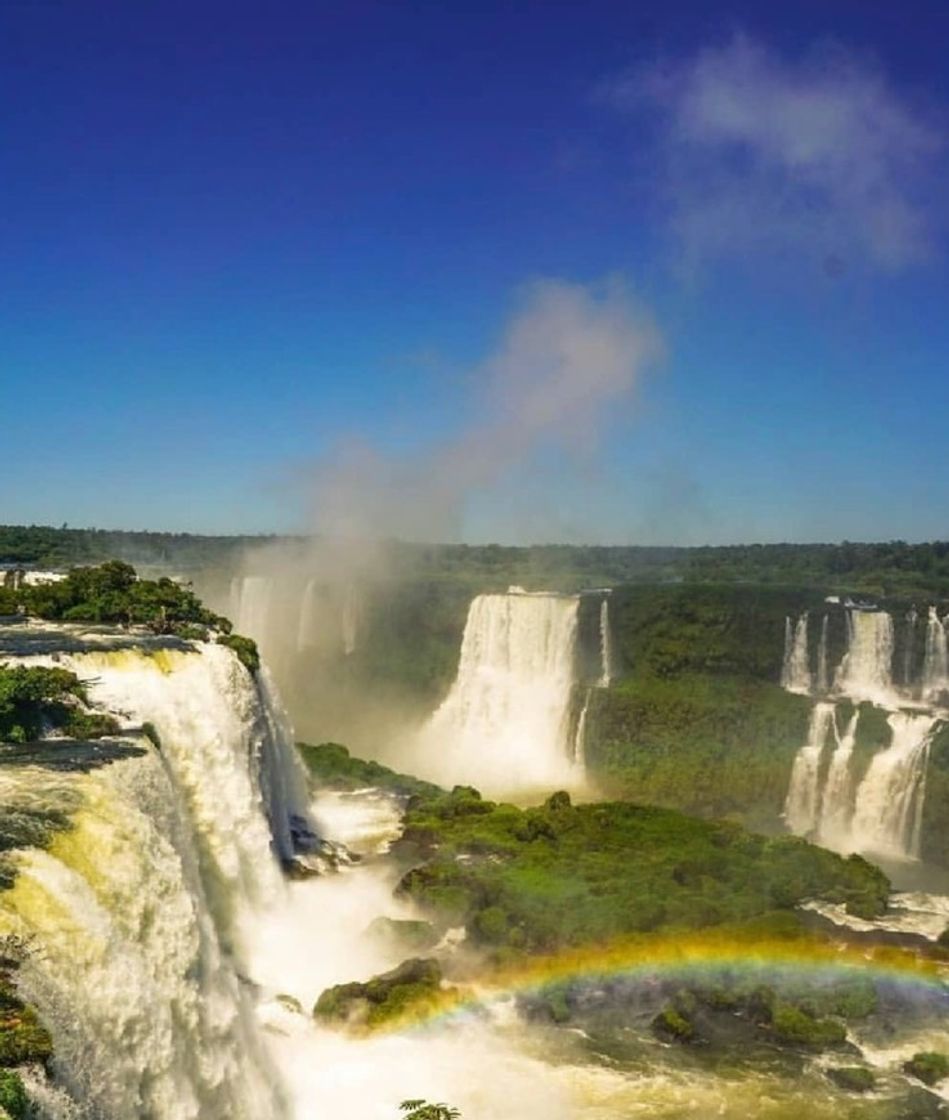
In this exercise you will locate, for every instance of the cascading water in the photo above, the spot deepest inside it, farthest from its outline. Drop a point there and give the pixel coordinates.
(606, 645)
(505, 724)
(250, 605)
(823, 665)
(865, 673)
(837, 800)
(803, 805)
(349, 619)
(138, 915)
(796, 673)
(936, 664)
(889, 801)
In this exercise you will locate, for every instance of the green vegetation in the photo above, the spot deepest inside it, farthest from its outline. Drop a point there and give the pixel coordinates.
(333, 767)
(245, 648)
(13, 1098)
(23, 1040)
(711, 746)
(413, 984)
(928, 1067)
(934, 834)
(422, 1110)
(112, 594)
(853, 1079)
(885, 569)
(35, 699)
(539, 879)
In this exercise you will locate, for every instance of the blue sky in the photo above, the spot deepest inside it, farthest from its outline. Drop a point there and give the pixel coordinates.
(239, 240)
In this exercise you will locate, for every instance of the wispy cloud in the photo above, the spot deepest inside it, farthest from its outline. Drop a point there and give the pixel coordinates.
(569, 356)
(820, 156)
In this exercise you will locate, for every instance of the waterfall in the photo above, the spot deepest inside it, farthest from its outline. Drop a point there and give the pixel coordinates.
(796, 673)
(308, 626)
(889, 802)
(349, 621)
(250, 605)
(505, 724)
(803, 804)
(823, 667)
(909, 646)
(579, 740)
(606, 645)
(936, 664)
(138, 916)
(884, 814)
(837, 801)
(865, 673)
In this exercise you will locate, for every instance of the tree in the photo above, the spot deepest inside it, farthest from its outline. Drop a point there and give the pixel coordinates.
(422, 1110)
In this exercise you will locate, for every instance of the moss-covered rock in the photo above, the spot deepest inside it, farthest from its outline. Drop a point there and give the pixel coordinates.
(672, 1026)
(928, 1066)
(406, 988)
(853, 1079)
(794, 1025)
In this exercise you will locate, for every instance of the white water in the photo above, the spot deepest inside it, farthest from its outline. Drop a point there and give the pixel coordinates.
(936, 664)
(823, 666)
(796, 673)
(251, 605)
(837, 800)
(505, 724)
(865, 673)
(889, 803)
(803, 804)
(606, 645)
(883, 815)
(142, 918)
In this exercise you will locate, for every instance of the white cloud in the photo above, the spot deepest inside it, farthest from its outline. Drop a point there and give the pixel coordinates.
(820, 156)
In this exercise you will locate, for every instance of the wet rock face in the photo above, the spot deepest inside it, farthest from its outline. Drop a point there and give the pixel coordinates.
(383, 997)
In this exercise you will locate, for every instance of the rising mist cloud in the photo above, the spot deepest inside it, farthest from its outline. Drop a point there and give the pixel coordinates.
(569, 356)
(820, 156)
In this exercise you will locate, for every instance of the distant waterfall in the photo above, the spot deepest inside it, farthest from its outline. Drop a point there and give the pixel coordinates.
(866, 670)
(823, 666)
(883, 814)
(506, 722)
(796, 673)
(250, 605)
(308, 625)
(936, 664)
(803, 804)
(606, 645)
(909, 645)
(349, 620)
(137, 915)
(889, 802)
(837, 800)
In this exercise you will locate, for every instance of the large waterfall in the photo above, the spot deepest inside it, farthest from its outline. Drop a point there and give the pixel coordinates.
(506, 724)
(139, 916)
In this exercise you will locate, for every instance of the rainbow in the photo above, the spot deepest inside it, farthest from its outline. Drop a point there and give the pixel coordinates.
(689, 956)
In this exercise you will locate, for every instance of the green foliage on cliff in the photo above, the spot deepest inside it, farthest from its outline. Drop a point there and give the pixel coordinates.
(23, 1039)
(558, 875)
(245, 648)
(34, 699)
(333, 767)
(711, 746)
(112, 594)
